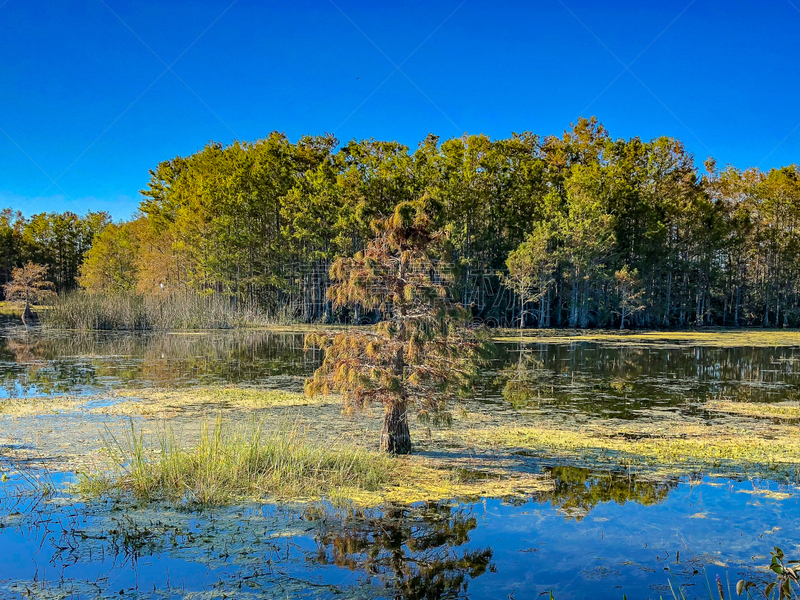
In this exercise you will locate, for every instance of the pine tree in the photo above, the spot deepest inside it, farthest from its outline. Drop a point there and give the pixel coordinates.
(421, 354)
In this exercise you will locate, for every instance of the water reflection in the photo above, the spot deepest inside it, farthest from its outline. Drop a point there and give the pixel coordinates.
(589, 377)
(618, 381)
(46, 363)
(415, 552)
(576, 491)
(96, 551)
(483, 550)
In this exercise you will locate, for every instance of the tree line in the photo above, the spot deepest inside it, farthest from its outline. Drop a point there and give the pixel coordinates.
(57, 241)
(578, 230)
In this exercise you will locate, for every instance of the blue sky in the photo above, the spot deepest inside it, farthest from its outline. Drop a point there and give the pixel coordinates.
(93, 93)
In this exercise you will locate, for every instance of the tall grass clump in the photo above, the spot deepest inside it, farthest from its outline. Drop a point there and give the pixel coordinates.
(237, 462)
(175, 310)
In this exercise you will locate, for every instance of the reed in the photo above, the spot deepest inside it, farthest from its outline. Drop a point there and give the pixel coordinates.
(176, 310)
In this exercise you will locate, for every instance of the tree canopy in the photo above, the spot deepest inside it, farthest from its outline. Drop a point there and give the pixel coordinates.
(262, 222)
(422, 353)
(29, 285)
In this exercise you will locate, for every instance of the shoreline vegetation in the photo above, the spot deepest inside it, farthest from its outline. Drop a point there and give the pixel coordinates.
(248, 461)
(163, 312)
(190, 312)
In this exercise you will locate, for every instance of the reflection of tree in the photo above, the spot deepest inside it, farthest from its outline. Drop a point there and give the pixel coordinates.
(616, 380)
(57, 362)
(577, 490)
(412, 550)
(523, 381)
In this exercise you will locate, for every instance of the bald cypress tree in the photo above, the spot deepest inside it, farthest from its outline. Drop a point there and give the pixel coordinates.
(422, 353)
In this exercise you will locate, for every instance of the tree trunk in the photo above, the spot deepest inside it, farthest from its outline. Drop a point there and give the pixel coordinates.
(29, 318)
(573, 308)
(395, 437)
(584, 306)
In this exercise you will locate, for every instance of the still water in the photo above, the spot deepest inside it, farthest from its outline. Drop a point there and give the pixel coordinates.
(596, 534)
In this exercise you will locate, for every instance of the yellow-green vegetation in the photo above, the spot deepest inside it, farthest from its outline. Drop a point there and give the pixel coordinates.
(779, 410)
(417, 479)
(230, 463)
(21, 407)
(656, 444)
(725, 338)
(165, 403)
(11, 308)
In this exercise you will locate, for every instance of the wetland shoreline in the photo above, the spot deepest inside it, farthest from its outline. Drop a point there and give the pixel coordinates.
(565, 442)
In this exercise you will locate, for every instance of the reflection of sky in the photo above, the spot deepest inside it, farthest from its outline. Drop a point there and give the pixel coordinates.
(626, 548)
(612, 549)
(617, 548)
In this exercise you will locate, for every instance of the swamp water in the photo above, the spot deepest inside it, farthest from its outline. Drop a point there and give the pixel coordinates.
(595, 534)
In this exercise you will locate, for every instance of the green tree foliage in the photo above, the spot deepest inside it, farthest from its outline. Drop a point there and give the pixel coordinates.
(630, 291)
(552, 218)
(531, 269)
(111, 265)
(58, 241)
(421, 353)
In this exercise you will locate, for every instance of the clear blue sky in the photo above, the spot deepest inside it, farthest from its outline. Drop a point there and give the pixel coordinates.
(87, 100)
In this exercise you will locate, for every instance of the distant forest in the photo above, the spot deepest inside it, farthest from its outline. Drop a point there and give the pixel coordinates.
(59, 241)
(581, 230)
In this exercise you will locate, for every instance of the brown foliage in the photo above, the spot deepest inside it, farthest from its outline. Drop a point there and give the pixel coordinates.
(28, 284)
(421, 354)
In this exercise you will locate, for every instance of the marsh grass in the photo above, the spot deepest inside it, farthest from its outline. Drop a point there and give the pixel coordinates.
(237, 462)
(176, 310)
(783, 410)
(728, 338)
(718, 448)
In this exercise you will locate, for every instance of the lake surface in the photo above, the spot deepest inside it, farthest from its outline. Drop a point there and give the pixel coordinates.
(597, 534)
